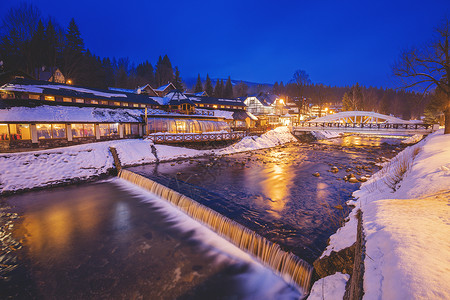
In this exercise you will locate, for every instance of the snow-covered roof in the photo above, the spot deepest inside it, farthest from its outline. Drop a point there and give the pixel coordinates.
(50, 113)
(164, 87)
(218, 113)
(66, 90)
(217, 101)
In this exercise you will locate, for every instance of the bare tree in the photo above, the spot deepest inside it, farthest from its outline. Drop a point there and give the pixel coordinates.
(428, 67)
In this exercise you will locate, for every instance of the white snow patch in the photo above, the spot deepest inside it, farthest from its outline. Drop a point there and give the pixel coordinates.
(331, 287)
(413, 139)
(322, 135)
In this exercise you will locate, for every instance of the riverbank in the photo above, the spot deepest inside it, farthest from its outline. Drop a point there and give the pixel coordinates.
(406, 223)
(46, 168)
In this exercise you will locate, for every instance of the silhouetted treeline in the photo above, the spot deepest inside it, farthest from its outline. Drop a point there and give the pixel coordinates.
(29, 42)
(407, 105)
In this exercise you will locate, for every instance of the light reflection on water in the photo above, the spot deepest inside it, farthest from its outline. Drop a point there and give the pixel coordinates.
(273, 192)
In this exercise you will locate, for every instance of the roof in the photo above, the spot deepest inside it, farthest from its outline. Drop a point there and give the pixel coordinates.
(242, 115)
(175, 97)
(164, 87)
(66, 90)
(217, 101)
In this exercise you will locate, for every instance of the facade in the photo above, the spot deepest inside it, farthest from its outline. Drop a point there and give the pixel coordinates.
(52, 74)
(271, 110)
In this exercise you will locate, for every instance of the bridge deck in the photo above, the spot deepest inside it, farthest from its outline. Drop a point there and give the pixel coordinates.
(398, 128)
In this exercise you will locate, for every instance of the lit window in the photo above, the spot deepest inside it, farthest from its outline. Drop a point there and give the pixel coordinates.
(67, 99)
(117, 103)
(79, 100)
(201, 105)
(214, 106)
(124, 104)
(104, 102)
(83, 130)
(142, 105)
(94, 101)
(50, 98)
(222, 106)
(19, 131)
(51, 131)
(34, 97)
(135, 105)
(4, 135)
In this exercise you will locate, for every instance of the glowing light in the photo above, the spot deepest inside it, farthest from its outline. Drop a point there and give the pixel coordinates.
(69, 81)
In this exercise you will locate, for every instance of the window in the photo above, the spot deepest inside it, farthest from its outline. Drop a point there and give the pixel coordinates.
(142, 105)
(214, 106)
(104, 102)
(49, 98)
(131, 129)
(20, 131)
(109, 129)
(135, 105)
(124, 104)
(4, 135)
(67, 99)
(83, 130)
(94, 101)
(34, 97)
(117, 103)
(51, 131)
(78, 100)
(201, 105)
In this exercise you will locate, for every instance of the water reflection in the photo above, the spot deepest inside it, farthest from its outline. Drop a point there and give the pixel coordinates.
(99, 241)
(273, 192)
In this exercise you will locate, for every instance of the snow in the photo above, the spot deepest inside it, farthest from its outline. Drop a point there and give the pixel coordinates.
(406, 222)
(331, 287)
(26, 170)
(413, 139)
(321, 135)
(228, 115)
(47, 113)
(36, 88)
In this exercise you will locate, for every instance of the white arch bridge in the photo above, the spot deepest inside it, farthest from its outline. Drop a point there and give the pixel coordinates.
(364, 122)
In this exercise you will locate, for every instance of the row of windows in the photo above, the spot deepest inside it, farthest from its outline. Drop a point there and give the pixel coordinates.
(219, 106)
(57, 131)
(88, 101)
(184, 126)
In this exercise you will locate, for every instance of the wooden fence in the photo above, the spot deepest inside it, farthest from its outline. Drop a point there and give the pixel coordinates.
(167, 138)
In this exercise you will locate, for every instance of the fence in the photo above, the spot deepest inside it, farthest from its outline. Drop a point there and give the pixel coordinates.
(167, 138)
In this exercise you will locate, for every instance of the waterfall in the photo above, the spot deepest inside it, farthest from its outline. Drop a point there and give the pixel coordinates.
(293, 269)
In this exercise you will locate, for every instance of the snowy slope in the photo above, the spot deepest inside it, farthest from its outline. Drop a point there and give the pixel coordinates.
(406, 221)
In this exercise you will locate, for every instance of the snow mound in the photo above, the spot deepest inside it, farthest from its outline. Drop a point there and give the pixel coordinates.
(413, 139)
(330, 287)
(322, 135)
(272, 138)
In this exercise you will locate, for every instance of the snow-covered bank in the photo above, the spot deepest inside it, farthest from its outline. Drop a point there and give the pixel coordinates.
(27, 170)
(406, 222)
(322, 135)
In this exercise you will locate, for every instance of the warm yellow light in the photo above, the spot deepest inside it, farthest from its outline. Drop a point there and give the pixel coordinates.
(281, 101)
(69, 81)
(214, 106)
(326, 108)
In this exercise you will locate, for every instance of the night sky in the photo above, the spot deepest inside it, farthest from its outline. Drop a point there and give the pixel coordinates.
(336, 42)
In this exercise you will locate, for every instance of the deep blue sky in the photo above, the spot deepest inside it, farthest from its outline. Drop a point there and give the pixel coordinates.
(336, 42)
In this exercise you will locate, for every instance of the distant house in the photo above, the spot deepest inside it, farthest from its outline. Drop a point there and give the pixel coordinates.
(51, 74)
(268, 108)
(163, 90)
(145, 90)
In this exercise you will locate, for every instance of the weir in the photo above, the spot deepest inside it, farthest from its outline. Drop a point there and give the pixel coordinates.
(291, 268)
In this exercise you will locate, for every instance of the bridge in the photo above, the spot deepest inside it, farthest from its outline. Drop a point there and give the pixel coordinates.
(364, 122)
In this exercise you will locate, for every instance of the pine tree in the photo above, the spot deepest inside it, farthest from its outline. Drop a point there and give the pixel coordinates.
(51, 42)
(281, 89)
(145, 74)
(198, 86)
(218, 93)
(275, 88)
(74, 40)
(159, 72)
(38, 50)
(73, 53)
(177, 82)
(228, 91)
(208, 86)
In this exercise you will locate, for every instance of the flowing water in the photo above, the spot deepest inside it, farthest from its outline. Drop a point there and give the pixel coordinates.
(273, 191)
(99, 240)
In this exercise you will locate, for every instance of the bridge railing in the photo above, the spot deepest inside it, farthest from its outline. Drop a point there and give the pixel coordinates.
(167, 138)
(402, 126)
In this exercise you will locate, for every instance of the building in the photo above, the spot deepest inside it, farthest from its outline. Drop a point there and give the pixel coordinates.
(163, 90)
(269, 109)
(51, 74)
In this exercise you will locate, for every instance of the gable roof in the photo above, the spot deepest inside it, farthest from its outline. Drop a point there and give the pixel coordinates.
(163, 88)
(176, 97)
